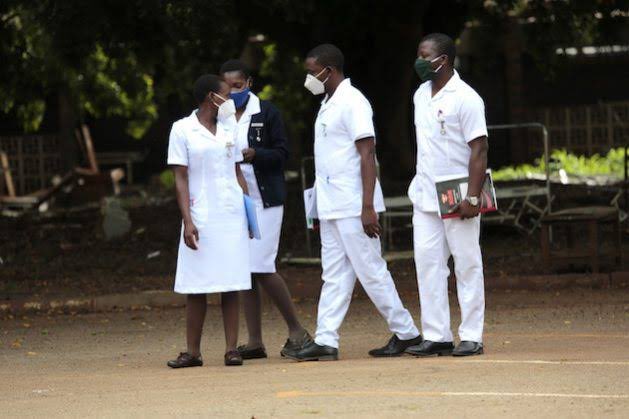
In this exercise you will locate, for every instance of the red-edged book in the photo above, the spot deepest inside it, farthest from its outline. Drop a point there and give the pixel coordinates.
(451, 190)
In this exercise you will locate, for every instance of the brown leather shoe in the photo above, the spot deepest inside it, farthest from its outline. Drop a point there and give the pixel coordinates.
(233, 358)
(185, 360)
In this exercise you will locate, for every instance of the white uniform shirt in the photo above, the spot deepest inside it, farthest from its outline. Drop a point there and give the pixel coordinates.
(210, 159)
(444, 124)
(242, 135)
(342, 120)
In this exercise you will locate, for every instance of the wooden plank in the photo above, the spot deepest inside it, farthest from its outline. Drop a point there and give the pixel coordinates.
(610, 125)
(79, 139)
(40, 157)
(89, 148)
(20, 166)
(588, 129)
(6, 170)
(567, 125)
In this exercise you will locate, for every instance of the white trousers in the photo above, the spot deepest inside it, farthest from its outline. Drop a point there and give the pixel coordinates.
(346, 253)
(435, 240)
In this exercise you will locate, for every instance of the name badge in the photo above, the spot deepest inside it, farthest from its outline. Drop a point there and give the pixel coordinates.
(258, 127)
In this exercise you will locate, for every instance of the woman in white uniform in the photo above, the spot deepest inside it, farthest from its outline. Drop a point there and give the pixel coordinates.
(262, 137)
(214, 245)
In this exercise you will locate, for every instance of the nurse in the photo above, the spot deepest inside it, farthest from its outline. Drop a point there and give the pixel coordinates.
(451, 141)
(348, 198)
(214, 244)
(262, 138)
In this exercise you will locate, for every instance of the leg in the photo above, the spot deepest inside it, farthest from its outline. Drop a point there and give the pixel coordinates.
(463, 241)
(229, 305)
(365, 255)
(276, 288)
(338, 285)
(593, 233)
(196, 307)
(253, 314)
(431, 263)
(545, 242)
(618, 241)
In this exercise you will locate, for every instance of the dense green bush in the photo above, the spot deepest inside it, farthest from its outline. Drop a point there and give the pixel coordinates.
(167, 179)
(611, 165)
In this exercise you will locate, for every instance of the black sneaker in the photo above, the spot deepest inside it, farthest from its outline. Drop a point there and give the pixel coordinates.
(293, 346)
(395, 346)
(313, 352)
(185, 360)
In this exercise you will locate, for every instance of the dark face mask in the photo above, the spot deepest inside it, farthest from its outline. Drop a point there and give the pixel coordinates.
(240, 98)
(424, 70)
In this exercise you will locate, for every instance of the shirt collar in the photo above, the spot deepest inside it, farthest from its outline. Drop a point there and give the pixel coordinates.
(342, 87)
(453, 83)
(253, 105)
(195, 124)
(193, 120)
(450, 86)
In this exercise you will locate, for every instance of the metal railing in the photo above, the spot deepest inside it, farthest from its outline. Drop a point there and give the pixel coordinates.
(546, 143)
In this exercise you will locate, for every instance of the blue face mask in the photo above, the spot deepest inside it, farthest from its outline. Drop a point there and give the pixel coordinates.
(240, 98)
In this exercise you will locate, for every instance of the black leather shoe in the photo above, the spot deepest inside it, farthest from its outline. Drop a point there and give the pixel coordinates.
(313, 352)
(253, 353)
(430, 348)
(467, 348)
(233, 358)
(395, 347)
(292, 346)
(185, 360)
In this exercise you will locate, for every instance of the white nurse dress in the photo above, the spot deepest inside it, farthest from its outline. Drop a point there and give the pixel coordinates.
(221, 262)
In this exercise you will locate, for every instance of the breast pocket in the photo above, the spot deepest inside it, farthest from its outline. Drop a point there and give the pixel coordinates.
(256, 133)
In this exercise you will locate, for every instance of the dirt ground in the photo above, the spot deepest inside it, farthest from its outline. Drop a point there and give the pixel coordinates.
(547, 355)
(64, 254)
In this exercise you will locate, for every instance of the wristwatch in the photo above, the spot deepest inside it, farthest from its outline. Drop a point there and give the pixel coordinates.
(473, 200)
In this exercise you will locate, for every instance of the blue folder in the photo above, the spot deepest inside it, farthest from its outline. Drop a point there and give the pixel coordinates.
(252, 217)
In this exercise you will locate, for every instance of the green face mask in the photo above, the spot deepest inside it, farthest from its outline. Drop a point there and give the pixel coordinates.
(424, 68)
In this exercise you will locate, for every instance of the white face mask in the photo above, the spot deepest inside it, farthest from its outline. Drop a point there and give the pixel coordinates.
(226, 110)
(315, 85)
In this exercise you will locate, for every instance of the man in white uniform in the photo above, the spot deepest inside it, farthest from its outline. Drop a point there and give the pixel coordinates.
(451, 140)
(348, 198)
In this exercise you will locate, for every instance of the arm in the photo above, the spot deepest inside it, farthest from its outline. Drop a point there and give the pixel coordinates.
(190, 232)
(367, 150)
(241, 179)
(477, 167)
(243, 184)
(276, 155)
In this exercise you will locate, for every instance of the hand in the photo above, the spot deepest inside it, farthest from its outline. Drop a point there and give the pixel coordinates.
(466, 210)
(191, 236)
(249, 154)
(369, 218)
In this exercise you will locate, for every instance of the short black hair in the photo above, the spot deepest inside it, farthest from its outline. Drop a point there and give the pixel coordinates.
(235, 65)
(328, 55)
(205, 84)
(443, 44)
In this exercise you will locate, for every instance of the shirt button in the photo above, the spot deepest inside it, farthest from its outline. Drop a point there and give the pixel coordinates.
(261, 188)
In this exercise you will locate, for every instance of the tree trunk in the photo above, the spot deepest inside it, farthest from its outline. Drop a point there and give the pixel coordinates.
(392, 83)
(515, 89)
(67, 123)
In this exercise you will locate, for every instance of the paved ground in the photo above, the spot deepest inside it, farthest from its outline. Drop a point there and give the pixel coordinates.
(548, 355)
